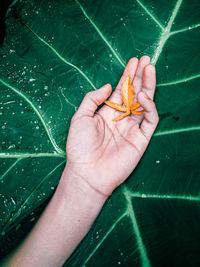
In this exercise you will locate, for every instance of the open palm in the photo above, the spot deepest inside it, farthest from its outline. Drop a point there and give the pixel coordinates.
(104, 152)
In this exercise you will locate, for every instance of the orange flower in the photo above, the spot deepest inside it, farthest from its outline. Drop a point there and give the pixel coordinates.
(127, 97)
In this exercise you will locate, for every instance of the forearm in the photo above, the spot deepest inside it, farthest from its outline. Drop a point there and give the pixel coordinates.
(66, 220)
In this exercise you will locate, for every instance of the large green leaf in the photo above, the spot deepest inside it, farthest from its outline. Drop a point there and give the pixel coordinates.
(56, 51)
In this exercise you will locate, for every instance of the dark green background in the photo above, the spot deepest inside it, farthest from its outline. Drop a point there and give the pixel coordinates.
(56, 51)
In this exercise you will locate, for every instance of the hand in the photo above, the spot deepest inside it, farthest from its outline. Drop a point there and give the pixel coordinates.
(103, 152)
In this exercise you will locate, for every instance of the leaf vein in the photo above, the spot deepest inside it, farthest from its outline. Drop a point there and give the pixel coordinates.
(53, 142)
(180, 130)
(18, 212)
(186, 29)
(166, 34)
(104, 237)
(164, 196)
(150, 14)
(10, 168)
(61, 57)
(180, 81)
(31, 155)
(100, 33)
(142, 249)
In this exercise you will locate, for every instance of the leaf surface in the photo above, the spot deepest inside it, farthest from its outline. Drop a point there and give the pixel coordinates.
(56, 51)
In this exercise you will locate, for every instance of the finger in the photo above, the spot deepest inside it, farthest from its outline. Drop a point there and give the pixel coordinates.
(148, 86)
(151, 118)
(137, 81)
(149, 81)
(130, 69)
(92, 100)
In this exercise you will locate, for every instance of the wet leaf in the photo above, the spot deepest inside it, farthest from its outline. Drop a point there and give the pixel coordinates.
(56, 51)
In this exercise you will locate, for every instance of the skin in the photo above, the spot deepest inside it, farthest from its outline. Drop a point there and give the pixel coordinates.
(107, 153)
(101, 154)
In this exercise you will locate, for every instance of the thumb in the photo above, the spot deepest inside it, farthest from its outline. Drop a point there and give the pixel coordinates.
(151, 118)
(92, 100)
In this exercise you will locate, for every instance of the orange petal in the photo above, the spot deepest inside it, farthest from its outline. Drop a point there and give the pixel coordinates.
(125, 92)
(137, 112)
(130, 93)
(135, 106)
(115, 106)
(122, 116)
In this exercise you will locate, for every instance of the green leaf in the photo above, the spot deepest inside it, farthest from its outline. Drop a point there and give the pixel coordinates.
(56, 51)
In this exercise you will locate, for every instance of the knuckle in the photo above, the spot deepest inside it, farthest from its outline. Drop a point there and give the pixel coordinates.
(153, 105)
(156, 118)
(89, 94)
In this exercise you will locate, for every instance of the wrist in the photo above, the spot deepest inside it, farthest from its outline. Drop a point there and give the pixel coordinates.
(74, 187)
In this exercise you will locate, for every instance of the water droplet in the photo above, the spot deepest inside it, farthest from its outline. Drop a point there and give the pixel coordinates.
(13, 201)
(157, 161)
(11, 146)
(31, 79)
(143, 195)
(37, 127)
